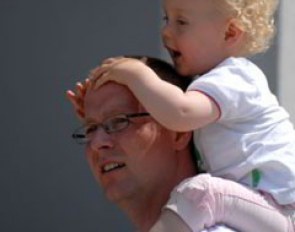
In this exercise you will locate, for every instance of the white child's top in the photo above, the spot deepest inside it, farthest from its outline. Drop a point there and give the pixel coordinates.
(253, 140)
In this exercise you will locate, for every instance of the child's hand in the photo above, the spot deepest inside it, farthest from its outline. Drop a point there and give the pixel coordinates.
(77, 98)
(121, 70)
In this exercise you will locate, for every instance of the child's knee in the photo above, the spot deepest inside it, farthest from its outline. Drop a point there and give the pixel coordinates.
(203, 188)
(207, 184)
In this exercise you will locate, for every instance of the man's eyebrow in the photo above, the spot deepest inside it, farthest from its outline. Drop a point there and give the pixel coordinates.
(89, 121)
(109, 114)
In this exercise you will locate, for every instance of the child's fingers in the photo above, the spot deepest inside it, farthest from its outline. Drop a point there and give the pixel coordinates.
(88, 85)
(105, 66)
(112, 59)
(96, 74)
(80, 113)
(100, 81)
(80, 89)
(74, 99)
(103, 70)
(77, 104)
(107, 72)
(70, 95)
(93, 71)
(107, 63)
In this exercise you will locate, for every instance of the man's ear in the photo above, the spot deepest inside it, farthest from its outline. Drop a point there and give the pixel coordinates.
(233, 33)
(181, 140)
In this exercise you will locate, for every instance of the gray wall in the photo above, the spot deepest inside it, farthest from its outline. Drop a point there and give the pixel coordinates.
(45, 47)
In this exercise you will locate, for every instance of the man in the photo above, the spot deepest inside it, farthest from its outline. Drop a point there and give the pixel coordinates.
(136, 161)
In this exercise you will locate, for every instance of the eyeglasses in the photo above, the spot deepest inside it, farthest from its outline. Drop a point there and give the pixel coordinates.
(84, 134)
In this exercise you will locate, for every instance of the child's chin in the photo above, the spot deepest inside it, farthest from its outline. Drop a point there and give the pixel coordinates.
(182, 71)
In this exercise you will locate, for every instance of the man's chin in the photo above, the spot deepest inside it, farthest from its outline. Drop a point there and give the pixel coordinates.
(114, 196)
(117, 194)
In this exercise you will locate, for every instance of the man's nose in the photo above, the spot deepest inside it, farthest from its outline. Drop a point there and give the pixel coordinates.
(101, 140)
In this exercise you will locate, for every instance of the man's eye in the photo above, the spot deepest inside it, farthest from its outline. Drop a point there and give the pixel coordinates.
(90, 129)
(116, 124)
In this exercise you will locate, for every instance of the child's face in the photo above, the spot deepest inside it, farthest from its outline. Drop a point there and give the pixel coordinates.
(194, 35)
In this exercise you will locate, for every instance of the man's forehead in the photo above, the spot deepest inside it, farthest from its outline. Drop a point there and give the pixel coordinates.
(109, 99)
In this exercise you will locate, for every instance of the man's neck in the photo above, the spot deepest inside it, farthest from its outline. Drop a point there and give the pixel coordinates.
(144, 211)
(144, 207)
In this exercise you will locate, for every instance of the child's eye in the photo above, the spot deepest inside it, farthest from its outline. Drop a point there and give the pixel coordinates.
(181, 22)
(165, 18)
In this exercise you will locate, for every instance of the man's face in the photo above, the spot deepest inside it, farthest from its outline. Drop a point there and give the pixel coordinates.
(135, 161)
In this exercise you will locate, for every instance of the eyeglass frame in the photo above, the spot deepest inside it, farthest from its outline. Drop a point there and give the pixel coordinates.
(79, 137)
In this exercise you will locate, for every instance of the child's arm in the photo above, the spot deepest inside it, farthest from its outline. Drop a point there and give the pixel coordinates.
(167, 103)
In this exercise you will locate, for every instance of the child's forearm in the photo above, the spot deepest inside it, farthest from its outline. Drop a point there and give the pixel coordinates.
(167, 103)
(170, 106)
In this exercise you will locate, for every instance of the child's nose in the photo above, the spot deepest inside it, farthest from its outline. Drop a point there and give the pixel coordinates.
(166, 32)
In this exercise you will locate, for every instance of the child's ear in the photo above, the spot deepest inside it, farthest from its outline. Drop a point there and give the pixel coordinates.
(233, 32)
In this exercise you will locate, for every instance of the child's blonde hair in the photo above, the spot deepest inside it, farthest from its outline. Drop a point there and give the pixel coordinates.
(256, 19)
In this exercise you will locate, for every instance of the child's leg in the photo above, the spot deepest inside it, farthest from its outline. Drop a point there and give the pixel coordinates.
(205, 201)
(290, 211)
(218, 228)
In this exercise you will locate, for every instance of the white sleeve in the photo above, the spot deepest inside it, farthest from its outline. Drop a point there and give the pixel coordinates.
(237, 90)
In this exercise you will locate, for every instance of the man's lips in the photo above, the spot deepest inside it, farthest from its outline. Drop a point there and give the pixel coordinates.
(111, 166)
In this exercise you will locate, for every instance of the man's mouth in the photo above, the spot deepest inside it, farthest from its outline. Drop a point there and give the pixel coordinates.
(111, 167)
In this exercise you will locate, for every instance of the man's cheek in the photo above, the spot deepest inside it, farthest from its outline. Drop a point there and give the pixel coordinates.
(92, 162)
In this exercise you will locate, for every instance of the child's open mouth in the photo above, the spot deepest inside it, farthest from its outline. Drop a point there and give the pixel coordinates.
(175, 55)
